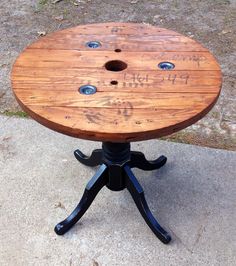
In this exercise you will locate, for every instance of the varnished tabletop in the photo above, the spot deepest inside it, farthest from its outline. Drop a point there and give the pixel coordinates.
(135, 98)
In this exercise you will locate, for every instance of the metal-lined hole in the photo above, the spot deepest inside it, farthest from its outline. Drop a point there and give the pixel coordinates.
(93, 44)
(117, 50)
(166, 65)
(87, 89)
(114, 82)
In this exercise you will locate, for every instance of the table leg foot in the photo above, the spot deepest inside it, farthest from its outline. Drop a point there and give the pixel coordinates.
(137, 194)
(99, 180)
(94, 160)
(116, 161)
(137, 159)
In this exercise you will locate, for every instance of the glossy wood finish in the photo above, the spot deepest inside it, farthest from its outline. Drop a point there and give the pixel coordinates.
(146, 102)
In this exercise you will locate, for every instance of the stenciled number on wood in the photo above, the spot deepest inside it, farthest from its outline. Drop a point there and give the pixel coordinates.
(136, 77)
(92, 116)
(173, 78)
(182, 57)
(138, 80)
(124, 108)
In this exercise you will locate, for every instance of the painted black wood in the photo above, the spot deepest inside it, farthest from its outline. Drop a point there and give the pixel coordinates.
(94, 160)
(138, 160)
(98, 181)
(137, 194)
(116, 161)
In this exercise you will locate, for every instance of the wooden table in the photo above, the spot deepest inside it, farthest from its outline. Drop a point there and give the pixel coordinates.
(116, 83)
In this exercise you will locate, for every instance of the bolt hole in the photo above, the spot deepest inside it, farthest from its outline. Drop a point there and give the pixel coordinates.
(93, 44)
(114, 82)
(87, 89)
(115, 65)
(117, 50)
(166, 66)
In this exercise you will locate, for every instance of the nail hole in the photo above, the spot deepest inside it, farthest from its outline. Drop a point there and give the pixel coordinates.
(114, 82)
(117, 50)
(115, 65)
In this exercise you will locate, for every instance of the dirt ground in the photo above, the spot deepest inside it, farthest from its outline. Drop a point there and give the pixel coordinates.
(211, 22)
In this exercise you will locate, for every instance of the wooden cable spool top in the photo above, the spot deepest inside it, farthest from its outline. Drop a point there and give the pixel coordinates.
(118, 82)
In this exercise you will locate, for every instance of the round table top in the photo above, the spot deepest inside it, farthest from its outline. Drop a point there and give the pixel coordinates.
(146, 81)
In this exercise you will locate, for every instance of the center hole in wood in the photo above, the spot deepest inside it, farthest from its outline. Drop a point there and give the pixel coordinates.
(115, 65)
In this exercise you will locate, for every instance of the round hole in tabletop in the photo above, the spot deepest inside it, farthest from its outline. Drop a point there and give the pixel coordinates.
(117, 50)
(114, 82)
(87, 89)
(166, 65)
(115, 65)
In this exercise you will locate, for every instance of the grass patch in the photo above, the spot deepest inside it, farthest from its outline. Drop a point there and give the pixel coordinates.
(43, 2)
(40, 4)
(17, 113)
(213, 140)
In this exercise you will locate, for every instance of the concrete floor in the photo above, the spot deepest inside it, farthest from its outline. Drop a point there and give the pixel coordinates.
(193, 196)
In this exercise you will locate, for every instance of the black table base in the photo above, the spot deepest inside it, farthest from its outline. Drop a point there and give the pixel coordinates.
(116, 161)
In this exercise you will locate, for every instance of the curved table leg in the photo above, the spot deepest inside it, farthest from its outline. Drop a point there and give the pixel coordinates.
(94, 160)
(137, 194)
(138, 160)
(99, 180)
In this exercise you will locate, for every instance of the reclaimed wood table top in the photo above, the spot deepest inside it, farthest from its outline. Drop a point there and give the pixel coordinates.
(135, 99)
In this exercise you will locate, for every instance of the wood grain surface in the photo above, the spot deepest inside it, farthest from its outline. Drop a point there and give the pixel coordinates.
(140, 102)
